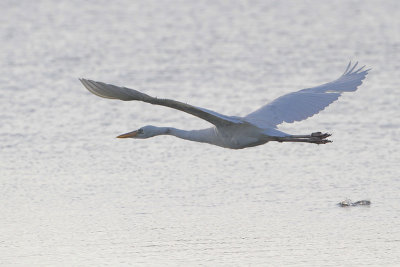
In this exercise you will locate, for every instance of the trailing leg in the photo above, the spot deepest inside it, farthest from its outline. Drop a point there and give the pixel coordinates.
(316, 134)
(315, 138)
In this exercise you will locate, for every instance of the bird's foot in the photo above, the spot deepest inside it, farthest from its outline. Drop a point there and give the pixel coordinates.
(320, 135)
(320, 138)
(320, 141)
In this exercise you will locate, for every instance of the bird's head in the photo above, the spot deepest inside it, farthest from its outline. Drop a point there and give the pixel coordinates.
(144, 132)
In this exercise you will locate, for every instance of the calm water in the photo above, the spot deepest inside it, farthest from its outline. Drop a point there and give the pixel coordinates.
(73, 195)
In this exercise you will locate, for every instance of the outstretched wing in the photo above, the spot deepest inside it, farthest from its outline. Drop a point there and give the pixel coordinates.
(305, 103)
(122, 93)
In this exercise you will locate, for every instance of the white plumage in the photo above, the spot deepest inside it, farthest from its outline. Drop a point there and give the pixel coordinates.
(254, 129)
(300, 105)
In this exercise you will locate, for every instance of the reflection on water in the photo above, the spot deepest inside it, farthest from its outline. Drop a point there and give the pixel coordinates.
(72, 194)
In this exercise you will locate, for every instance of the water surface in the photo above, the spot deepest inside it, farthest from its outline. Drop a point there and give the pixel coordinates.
(73, 195)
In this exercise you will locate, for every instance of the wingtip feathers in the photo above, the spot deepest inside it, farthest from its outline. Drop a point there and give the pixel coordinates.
(350, 69)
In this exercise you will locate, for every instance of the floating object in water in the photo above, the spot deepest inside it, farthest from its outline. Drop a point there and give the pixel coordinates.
(348, 202)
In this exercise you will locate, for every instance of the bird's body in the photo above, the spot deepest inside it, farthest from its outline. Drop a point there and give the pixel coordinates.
(232, 136)
(257, 128)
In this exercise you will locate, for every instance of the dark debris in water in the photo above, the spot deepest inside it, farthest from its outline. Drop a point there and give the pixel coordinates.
(348, 203)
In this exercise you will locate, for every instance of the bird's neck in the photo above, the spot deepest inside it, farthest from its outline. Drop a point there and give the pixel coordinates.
(204, 135)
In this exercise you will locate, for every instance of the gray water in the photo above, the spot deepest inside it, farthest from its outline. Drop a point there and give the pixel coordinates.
(74, 195)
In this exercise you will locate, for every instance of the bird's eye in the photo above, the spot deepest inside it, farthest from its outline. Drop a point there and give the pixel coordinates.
(140, 131)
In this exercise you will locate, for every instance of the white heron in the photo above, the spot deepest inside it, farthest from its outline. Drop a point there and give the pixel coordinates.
(257, 128)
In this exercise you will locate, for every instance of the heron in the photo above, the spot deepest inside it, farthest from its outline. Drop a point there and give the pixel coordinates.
(257, 128)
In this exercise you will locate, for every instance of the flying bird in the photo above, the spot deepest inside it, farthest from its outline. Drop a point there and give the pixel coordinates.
(256, 128)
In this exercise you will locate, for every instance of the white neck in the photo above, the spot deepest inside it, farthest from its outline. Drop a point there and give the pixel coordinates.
(203, 136)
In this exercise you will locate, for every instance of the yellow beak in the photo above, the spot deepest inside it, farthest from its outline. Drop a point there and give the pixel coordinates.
(128, 135)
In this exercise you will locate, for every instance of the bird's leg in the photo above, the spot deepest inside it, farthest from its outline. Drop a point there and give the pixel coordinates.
(316, 134)
(300, 136)
(304, 140)
(315, 138)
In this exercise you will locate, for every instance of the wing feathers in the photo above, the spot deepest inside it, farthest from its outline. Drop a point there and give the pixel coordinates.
(291, 107)
(305, 103)
(347, 68)
(355, 65)
(126, 94)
